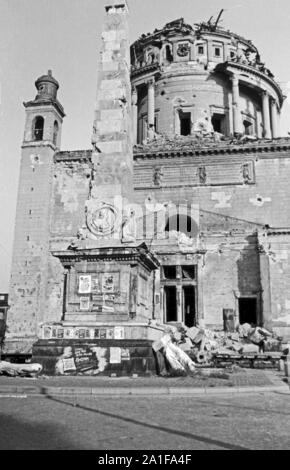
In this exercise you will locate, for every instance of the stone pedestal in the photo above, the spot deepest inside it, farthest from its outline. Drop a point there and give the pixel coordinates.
(108, 312)
(95, 357)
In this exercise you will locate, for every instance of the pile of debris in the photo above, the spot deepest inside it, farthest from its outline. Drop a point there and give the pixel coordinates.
(19, 370)
(182, 349)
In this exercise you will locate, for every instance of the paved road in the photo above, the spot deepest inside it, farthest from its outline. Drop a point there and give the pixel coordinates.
(256, 421)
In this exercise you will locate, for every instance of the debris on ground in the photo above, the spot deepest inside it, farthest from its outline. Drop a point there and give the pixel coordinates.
(19, 370)
(183, 349)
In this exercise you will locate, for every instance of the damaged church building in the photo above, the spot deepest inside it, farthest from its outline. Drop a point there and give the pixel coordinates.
(177, 215)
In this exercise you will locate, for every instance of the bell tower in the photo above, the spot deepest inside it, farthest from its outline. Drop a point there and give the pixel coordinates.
(44, 115)
(42, 136)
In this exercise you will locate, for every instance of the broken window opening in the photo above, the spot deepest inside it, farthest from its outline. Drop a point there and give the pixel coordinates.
(248, 126)
(38, 128)
(168, 53)
(189, 306)
(217, 52)
(170, 303)
(218, 123)
(185, 123)
(169, 272)
(156, 124)
(188, 272)
(248, 310)
(55, 132)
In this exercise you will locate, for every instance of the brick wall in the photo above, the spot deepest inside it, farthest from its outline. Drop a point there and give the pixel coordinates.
(31, 243)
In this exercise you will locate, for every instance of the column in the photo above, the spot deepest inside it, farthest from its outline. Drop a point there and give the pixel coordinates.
(226, 52)
(230, 114)
(237, 116)
(135, 114)
(151, 104)
(209, 50)
(266, 315)
(274, 119)
(266, 115)
(174, 52)
(192, 51)
(200, 305)
(176, 121)
(179, 304)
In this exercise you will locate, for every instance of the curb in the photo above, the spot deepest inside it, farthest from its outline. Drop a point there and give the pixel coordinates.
(10, 392)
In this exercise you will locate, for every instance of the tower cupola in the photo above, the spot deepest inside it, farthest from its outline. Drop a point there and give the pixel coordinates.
(47, 86)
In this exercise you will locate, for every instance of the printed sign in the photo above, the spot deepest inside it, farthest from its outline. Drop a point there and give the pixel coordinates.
(60, 333)
(115, 355)
(119, 332)
(103, 334)
(69, 333)
(84, 303)
(46, 333)
(95, 285)
(110, 333)
(69, 365)
(125, 355)
(85, 284)
(108, 284)
(50, 332)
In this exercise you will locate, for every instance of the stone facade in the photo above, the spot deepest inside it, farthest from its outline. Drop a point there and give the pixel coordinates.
(191, 148)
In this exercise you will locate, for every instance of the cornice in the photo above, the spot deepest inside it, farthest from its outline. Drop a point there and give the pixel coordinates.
(45, 102)
(73, 155)
(253, 71)
(218, 149)
(260, 148)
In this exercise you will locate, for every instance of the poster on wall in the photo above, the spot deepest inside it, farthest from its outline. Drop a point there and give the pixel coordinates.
(47, 333)
(119, 332)
(108, 283)
(79, 360)
(84, 303)
(125, 355)
(85, 284)
(115, 355)
(95, 285)
(69, 333)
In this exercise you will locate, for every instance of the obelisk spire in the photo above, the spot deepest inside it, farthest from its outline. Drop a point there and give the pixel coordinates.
(112, 135)
(112, 132)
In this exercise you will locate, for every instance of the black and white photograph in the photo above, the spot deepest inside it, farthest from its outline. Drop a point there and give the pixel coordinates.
(145, 228)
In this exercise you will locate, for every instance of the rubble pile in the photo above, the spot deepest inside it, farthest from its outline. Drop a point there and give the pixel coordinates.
(19, 370)
(186, 348)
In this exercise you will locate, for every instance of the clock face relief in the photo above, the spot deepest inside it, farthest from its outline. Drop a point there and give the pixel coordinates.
(102, 221)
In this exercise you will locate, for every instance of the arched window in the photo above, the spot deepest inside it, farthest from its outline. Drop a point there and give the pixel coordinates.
(182, 223)
(55, 132)
(38, 128)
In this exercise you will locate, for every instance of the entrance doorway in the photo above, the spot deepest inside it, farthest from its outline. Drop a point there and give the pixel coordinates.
(189, 306)
(170, 303)
(248, 310)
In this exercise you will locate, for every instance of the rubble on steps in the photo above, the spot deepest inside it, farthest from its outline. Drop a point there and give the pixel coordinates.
(183, 349)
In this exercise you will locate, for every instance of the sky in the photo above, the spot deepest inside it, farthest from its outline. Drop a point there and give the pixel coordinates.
(64, 36)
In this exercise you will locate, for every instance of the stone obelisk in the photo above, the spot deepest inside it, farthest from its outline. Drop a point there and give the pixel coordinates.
(112, 159)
